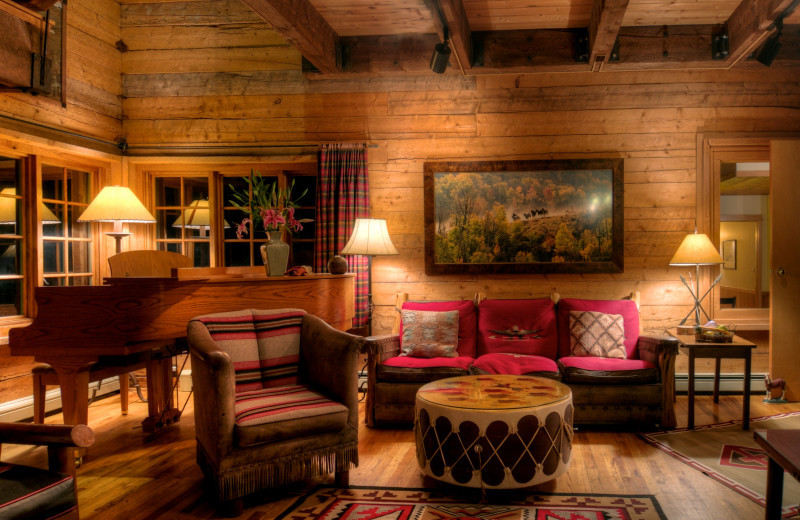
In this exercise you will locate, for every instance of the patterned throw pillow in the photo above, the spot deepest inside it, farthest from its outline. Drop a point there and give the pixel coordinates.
(596, 334)
(429, 334)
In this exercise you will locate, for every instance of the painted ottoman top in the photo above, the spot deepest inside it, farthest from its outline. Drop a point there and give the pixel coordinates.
(494, 392)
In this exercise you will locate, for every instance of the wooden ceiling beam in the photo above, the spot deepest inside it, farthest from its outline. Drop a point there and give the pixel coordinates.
(604, 27)
(459, 32)
(302, 25)
(749, 24)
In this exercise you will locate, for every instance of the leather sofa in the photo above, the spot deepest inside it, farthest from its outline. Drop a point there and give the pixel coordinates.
(532, 337)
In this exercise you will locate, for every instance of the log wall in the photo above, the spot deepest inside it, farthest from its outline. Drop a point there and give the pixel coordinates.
(94, 77)
(211, 72)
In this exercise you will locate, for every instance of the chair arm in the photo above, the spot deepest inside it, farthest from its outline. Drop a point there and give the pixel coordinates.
(654, 348)
(213, 385)
(77, 436)
(383, 347)
(662, 351)
(60, 439)
(329, 361)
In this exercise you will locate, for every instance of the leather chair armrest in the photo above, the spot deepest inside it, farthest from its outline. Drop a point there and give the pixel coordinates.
(214, 387)
(382, 347)
(662, 351)
(330, 362)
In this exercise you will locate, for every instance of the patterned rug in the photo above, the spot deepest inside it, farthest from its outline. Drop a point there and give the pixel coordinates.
(731, 456)
(361, 503)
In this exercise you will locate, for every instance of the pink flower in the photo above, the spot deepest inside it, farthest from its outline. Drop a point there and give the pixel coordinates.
(272, 218)
(241, 229)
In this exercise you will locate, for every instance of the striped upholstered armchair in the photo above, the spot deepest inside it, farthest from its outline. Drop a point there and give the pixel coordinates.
(276, 400)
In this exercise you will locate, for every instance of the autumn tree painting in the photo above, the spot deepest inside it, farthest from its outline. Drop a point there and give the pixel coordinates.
(523, 216)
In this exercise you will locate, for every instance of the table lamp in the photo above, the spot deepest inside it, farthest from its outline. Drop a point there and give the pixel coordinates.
(116, 204)
(696, 249)
(370, 238)
(197, 216)
(8, 209)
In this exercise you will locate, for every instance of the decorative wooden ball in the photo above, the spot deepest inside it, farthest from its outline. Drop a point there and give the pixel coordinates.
(337, 265)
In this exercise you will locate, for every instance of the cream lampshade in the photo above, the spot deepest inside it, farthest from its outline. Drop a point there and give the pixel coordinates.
(370, 238)
(8, 209)
(197, 216)
(696, 249)
(116, 204)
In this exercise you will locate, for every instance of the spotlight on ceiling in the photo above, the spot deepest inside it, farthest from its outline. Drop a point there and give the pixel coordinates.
(441, 55)
(771, 47)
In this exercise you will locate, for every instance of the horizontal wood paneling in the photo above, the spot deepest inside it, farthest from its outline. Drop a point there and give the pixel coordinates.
(94, 84)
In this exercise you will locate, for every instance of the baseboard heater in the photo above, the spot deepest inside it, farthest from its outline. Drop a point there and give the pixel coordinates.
(730, 383)
(22, 409)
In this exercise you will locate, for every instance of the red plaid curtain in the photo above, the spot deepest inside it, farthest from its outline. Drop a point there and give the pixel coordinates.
(342, 197)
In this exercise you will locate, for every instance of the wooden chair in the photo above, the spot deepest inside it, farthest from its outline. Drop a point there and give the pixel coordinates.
(31, 492)
(158, 264)
(129, 264)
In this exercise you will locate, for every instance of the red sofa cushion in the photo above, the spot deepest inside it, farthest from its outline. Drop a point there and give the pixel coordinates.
(627, 308)
(531, 314)
(467, 321)
(598, 370)
(514, 364)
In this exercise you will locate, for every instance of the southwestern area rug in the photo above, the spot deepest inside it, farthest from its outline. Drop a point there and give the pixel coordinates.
(362, 503)
(731, 456)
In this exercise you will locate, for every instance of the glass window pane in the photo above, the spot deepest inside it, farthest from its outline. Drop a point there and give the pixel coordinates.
(168, 191)
(52, 219)
(80, 258)
(78, 186)
(201, 252)
(10, 256)
(175, 247)
(78, 229)
(52, 182)
(238, 253)
(195, 188)
(170, 222)
(53, 256)
(10, 297)
(80, 280)
(308, 227)
(9, 212)
(54, 282)
(301, 184)
(303, 253)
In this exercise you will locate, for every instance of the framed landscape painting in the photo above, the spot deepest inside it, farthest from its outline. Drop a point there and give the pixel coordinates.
(556, 216)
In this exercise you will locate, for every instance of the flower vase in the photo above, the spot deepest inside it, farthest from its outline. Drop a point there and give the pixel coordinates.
(275, 254)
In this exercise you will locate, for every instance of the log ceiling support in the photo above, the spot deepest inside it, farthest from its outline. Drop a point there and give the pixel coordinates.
(750, 23)
(604, 29)
(525, 51)
(302, 25)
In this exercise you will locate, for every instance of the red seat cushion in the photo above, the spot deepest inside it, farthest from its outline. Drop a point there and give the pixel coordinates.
(514, 364)
(607, 370)
(467, 321)
(535, 315)
(627, 308)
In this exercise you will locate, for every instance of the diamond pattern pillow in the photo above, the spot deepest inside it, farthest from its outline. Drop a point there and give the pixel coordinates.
(596, 334)
(429, 334)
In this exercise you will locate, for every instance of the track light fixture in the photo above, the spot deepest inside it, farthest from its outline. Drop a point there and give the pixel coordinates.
(441, 52)
(441, 55)
(771, 47)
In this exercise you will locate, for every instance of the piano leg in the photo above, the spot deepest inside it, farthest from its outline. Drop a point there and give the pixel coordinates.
(160, 404)
(74, 382)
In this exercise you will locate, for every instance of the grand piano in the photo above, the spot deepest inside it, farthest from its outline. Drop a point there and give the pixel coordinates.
(77, 326)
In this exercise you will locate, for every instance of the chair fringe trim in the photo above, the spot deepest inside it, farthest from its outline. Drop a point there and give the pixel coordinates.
(242, 481)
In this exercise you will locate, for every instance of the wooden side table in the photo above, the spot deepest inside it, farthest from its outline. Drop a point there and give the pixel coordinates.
(739, 349)
(783, 449)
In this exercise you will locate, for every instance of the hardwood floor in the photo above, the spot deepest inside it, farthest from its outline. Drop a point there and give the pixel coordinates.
(130, 475)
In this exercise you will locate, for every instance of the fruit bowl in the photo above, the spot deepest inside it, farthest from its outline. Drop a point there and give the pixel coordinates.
(712, 335)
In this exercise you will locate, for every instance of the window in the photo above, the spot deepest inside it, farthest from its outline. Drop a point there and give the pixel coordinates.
(183, 217)
(10, 238)
(66, 243)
